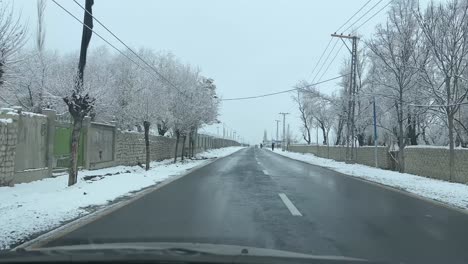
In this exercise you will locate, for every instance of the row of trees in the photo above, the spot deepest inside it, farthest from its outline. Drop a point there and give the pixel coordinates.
(161, 96)
(414, 66)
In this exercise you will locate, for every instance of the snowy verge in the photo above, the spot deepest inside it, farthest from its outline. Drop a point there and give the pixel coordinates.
(454, 194)
(28, 209)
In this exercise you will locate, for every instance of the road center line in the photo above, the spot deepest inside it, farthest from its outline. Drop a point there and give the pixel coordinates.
(265, 172)
(289, 205)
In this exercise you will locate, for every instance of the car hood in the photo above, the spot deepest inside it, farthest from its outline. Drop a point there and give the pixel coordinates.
(167, 251)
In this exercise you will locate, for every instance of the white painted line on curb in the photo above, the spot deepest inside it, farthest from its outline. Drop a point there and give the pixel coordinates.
(265, 172)
(289, 205)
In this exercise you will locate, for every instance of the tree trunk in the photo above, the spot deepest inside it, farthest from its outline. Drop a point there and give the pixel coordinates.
(75, 141)
(146, 125)
(451, 146)
(176, 145)
(189, 147)
(79, 105)
(339, 131)
(412, 135)
(193, 143)
(183, 147)
(324, 133)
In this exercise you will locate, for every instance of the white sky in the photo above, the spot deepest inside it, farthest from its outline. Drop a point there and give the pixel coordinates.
(248, 47)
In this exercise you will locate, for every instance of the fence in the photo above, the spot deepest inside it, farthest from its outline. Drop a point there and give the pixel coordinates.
(424, 161)
(33, 146)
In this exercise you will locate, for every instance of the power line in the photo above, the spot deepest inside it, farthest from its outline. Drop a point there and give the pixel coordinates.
(130, 49)
(281, 92)
(97, 34)
(380, 10)
(328, 45)
(326, 60)
(367, 12)
(320, 59)
(331, 62)
(353, 16)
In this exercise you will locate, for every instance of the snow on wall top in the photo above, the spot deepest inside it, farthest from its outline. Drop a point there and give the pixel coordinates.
(6, 120)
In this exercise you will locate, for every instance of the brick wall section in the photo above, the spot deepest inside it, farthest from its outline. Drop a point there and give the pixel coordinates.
(434, 163)
(8, 139)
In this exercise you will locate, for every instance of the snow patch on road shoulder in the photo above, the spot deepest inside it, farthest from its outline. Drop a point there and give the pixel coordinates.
(455, 194)
(32, 208)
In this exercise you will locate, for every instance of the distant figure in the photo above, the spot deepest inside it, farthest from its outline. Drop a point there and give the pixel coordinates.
(261, 145)
(273, 146)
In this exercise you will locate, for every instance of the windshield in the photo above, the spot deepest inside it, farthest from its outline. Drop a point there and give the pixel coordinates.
(337, 130)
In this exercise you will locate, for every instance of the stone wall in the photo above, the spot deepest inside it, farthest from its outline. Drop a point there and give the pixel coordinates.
(32, 144)
(8, 139)
(433, 162)
(130, 148)
(427, 161)
(364, 155)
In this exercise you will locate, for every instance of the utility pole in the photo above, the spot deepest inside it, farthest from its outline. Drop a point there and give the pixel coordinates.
(375, 136)
(284, 130)
(350, 124)
(277, 123)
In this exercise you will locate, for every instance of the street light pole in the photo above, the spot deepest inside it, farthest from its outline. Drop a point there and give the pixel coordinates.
(284, 130)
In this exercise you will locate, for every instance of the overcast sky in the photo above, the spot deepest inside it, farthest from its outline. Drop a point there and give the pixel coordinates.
(248, 47)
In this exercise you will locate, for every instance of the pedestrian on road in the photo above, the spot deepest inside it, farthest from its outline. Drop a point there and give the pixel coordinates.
(261, 145)
(273, 146)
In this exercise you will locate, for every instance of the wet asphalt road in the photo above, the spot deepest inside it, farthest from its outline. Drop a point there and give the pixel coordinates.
(235, 200)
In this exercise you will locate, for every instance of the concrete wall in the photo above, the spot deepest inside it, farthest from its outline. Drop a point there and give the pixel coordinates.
(32, 142)
(100, 145)
(30, 139)
(364, 155)
(33, 145)
(432, 162)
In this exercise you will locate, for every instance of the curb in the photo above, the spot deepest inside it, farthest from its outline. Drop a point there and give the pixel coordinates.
(91, 217)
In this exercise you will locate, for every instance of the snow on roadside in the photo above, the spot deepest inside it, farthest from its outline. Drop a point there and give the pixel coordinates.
(455, 194)
(31, 208)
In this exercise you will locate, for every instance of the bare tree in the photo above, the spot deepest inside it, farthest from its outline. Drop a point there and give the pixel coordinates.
(305, 118)
(12, 38)
(395, 47)
(40, 39)
(445, 27)
(79, 103)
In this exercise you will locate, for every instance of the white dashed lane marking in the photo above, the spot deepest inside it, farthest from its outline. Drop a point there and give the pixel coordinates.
(289, 205)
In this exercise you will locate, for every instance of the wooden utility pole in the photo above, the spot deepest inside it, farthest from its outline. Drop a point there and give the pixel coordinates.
(350, 124)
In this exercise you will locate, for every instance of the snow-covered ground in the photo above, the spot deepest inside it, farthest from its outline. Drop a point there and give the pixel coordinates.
(455, 194)
(35, 207)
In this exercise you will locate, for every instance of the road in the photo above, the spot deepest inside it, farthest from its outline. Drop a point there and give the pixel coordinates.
(258, 198)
